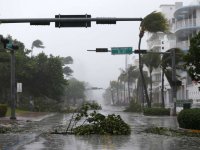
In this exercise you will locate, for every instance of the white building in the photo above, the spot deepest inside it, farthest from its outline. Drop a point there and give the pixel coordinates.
(187, 24)
(184, 23)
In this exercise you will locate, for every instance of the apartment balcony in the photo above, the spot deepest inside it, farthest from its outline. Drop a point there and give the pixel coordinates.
(186, 11)
(187, 20)
(187, 24)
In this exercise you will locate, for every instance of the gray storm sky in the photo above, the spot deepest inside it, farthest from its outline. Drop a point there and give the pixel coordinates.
(97, 69)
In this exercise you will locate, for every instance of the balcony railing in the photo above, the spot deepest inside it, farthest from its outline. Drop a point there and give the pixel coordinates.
(187, 23)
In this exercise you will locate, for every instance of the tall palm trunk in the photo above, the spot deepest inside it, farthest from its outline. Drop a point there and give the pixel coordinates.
(129, 92)
(162, 89)
(124, 92)
(141, 72)
(112, 97)
(117, 92)
(151, 87)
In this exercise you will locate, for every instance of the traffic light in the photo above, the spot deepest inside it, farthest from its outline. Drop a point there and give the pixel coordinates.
(5, 42)
(140, 51)
(101, 50)
(8, 44)
(73, 23)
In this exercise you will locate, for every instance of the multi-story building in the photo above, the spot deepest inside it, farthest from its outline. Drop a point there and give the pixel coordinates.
(184, 23)
(187, 25)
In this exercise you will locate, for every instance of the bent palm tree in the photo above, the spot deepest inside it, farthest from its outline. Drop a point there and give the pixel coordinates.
(38, 44)
(154, 22)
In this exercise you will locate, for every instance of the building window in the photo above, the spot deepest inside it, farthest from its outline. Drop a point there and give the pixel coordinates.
(162, 42)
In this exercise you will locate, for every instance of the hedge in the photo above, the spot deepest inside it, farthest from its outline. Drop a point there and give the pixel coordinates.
(3, 110)
(156, 112)
(133, 107)
(189, 118)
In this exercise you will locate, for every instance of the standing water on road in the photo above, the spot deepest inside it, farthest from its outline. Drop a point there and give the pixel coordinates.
(138, 140)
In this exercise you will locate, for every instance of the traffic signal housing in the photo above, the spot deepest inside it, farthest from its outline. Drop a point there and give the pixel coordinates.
(73, 23)
(8, 44)
(101, 50)
(140, 51)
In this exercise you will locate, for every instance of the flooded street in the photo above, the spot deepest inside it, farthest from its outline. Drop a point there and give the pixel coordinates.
(35, 138)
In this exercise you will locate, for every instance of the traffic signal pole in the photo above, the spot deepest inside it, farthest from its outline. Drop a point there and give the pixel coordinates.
(13, 88)
(8, 45)
(49, 20)
(69, 20)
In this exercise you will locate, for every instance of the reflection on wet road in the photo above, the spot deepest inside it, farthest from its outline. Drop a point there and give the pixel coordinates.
(138, 140)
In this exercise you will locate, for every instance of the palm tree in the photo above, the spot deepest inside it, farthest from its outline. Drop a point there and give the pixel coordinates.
(152, 61)
(154, 22)
(132, 76)
(166, 65)
(38, 44)
(114, 86)
(140, 88)
(123, 78)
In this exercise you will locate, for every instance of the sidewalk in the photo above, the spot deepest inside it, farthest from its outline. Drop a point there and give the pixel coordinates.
(25, 117)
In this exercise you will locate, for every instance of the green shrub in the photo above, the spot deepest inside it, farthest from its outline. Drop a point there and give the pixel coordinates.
(189, 118)
(3, 110)
(156, 112)
(133, 107)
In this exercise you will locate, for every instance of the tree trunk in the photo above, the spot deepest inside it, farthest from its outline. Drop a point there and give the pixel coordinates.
(129, 92)
(142, 76)
(112, 97)
(124, 92)
(117, 92)
(162, 90)
(150, 87)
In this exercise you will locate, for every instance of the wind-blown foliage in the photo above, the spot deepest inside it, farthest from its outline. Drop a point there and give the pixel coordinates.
(38, 44)
(42, 76)
(155, 22)
(193, 58)
(86, 123)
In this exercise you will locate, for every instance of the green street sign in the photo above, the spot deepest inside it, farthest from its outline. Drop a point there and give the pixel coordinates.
(121, 50)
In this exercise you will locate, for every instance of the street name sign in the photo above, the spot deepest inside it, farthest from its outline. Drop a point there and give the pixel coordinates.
(121, 50)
